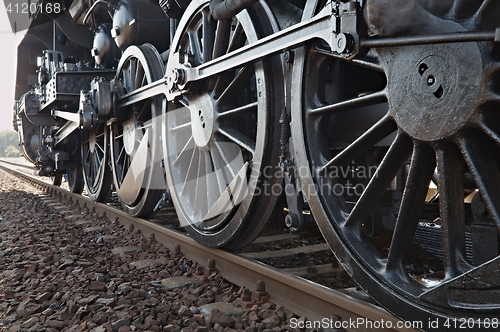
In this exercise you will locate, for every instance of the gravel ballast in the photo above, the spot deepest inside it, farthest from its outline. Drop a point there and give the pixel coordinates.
(62, 269)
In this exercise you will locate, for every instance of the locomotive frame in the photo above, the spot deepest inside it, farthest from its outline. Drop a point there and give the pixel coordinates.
(208, 104)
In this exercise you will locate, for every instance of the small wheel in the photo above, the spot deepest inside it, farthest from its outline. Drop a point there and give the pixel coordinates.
(135, 147)
(75, 180)
(221, 139)
(397, 152)
(56, 179)
(95, 162)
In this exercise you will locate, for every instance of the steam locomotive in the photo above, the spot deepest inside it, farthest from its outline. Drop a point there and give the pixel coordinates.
(378, 118)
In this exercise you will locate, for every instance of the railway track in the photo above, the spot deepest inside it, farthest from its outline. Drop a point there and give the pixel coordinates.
(288, 286)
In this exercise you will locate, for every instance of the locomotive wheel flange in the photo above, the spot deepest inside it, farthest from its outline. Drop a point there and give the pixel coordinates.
(220, 133)
(426, 119)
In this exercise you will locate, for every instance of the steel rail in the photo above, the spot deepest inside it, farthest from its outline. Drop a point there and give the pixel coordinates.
(303, 297)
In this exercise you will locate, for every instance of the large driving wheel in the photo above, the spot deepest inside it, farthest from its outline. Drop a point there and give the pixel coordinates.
(95, 162)
(222, 144)
(398, 156)
(134, 138)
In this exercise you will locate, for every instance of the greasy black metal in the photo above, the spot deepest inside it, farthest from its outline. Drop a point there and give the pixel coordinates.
(137, 22)
(225, 9)
(439, 122)
(67, 86)
(104, 50)
(79, 34)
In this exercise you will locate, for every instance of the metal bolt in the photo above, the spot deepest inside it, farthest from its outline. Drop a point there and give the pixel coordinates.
(246, 295)
(179, 76)
(211, 266)
(431, 80)
(261, 286)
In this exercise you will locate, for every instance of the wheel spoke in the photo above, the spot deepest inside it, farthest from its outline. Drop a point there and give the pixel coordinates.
(227, 157)
(240, 110)
(237, 84)
(221, 170)
(480, 12)
(191, 173)
(451, 170)
(238, 38)
(348, 105)
(183, 127)
(383, 128)
(477, 153)
(133, 74)
(145, 107)
(101, 148)
(195, 47)
(417, 184)
(222, 38)
(200, 200)
(238, 138)
(491, 128)
(395, 158)
(365, 63)
(208, 35)
(211, 180)
(186, 152)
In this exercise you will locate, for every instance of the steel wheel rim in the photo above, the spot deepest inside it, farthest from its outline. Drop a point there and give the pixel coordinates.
(445, 158)
(135, 135)
(203, 209)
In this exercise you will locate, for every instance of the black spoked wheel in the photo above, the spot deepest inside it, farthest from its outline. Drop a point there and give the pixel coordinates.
(219, 139)
(135, 147)
(95, 162)
(398, 156)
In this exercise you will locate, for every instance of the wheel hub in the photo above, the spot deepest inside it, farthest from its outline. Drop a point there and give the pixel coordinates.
(433, 90)
(131, 136)
(202, 118)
